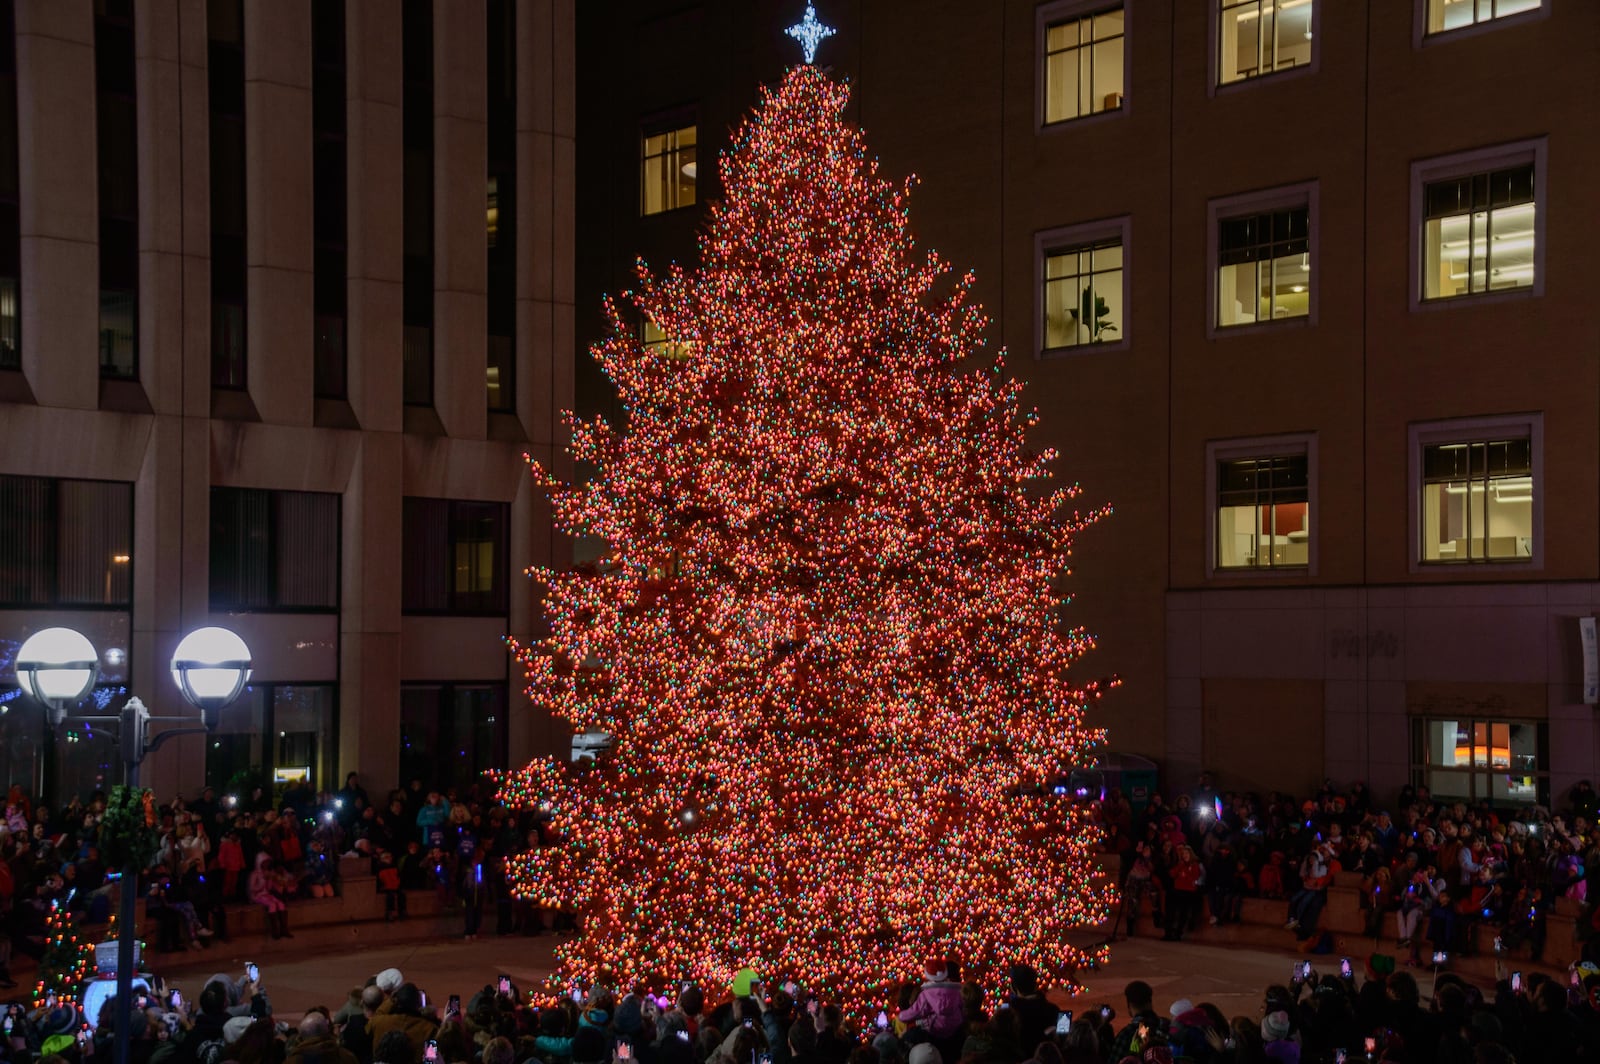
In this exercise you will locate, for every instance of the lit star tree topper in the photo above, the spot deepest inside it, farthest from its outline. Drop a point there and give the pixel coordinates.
(825, 637)
(810, 32)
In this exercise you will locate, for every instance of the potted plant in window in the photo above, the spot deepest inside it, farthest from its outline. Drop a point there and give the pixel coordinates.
(1093, 313)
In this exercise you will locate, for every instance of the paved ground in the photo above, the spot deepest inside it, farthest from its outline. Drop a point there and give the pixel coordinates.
(1231, 978)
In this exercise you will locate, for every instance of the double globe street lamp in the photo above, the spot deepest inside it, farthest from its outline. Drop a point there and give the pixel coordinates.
(59, 666)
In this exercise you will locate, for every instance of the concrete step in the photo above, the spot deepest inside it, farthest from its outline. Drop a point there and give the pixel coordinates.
(1262, 928)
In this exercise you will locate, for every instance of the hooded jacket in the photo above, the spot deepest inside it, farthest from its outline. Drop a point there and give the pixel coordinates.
(937, 1008)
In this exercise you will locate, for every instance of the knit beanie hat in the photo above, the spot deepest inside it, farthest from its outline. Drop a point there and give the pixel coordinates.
(1275, 1028)
(390, 980)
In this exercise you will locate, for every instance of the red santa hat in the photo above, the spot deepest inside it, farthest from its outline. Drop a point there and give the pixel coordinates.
(935, 968)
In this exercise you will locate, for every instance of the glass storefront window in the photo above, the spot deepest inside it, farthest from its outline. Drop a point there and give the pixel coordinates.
(273, 734)
(450, 734)
(1500, 761)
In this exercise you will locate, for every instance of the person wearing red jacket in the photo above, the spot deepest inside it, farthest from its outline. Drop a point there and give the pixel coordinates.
(1183, 907)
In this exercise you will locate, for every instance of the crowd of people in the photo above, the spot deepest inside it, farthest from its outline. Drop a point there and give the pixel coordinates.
(1378, 1015)
(264, 849)
(1431, 871)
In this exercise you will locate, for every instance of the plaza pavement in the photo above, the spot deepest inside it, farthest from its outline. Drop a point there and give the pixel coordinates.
(1230, 977)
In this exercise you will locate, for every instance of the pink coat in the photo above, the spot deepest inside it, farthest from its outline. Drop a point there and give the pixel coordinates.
(937, 1009)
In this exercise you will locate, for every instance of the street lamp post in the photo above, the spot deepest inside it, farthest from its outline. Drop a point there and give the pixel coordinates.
(58, 666)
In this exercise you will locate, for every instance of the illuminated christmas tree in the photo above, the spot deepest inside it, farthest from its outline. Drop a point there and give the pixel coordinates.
(825, 637)
(66, 962)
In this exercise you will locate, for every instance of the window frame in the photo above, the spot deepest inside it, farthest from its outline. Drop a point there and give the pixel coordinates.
(1214, 36)
(1462, 164)
(269, 763)
(445, 692)
(1224, 208)
(1079, 235)
(656, 124)
(1468, 430)
(1421, 770)
(450, 510)
(1294, 443)
(1055, 13)
(1422, 38)
(219, 607)
(56, 603)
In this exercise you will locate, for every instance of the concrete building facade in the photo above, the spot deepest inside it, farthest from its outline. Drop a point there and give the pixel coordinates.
(1296, 285)
(228, 426)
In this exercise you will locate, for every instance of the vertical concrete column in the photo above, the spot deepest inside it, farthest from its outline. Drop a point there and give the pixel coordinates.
(277, 101)
(460, 227)
(369, 624)
(545, 345)
(60, 206)
(195, 145)
(375, 155)
(172, 198)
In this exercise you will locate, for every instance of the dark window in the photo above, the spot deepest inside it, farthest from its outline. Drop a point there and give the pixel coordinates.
(501, 209)
(450, 734)
(118, 152)
(454, 556)
(328, 165)
(10, 215)
(273, 734)
(416, 36)
(225, 85)
(274, 550)
(65, 542)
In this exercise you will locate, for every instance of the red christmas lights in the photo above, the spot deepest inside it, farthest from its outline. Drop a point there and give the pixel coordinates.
(824, 638)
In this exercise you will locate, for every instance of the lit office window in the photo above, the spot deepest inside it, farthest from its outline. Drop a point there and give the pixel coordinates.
(1446, 15)
(1477, 500)
(668, 174)
(1083, 65)
(1264, 266)
(453, 556)
(1478, 233)
(1256, 37)
(1083, 294)
(658, 341)
(1263, 509)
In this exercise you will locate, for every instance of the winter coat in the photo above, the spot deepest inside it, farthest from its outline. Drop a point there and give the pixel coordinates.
(324, 1050)
(937, 1009)
(417, 1029)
